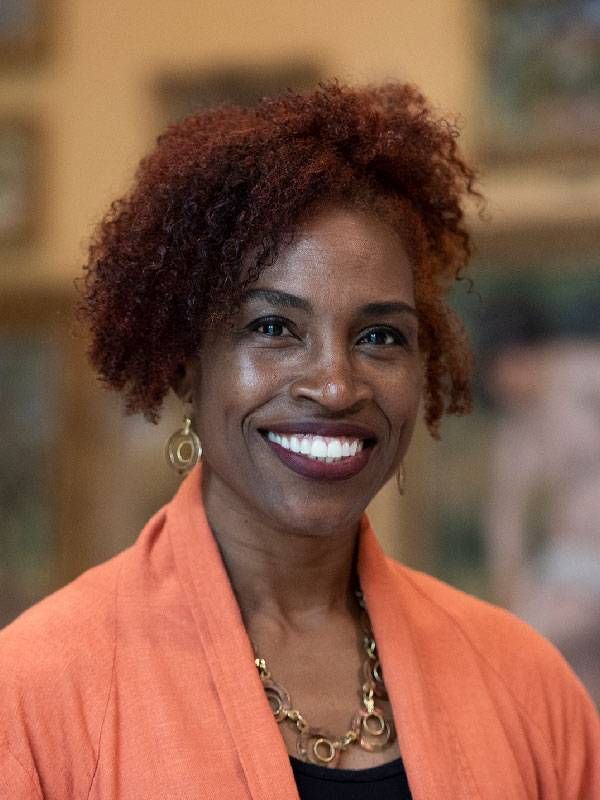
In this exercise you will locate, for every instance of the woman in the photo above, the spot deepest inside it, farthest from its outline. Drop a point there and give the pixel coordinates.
(283, 269)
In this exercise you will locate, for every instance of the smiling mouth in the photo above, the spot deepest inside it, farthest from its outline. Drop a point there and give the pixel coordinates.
(327, 449)
(320, 457)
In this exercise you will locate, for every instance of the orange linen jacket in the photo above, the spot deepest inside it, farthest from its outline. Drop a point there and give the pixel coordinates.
(137, 682)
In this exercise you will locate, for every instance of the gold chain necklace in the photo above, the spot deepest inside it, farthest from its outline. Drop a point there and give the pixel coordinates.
(370, 728)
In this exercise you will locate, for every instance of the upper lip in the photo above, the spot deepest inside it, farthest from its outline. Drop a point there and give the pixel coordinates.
(322, 428)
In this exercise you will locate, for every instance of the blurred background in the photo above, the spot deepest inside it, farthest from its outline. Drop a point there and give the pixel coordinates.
(507, 505)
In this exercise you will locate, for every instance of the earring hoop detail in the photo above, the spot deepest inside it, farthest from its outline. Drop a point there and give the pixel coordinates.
(183, 449)
(401, 479)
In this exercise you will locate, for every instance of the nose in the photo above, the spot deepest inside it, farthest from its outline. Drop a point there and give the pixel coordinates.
(334, 382)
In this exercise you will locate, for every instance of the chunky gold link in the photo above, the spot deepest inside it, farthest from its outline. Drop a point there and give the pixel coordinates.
(261, 665)
(368, 700)
(347, 739)
(324, 749)
(297, 717)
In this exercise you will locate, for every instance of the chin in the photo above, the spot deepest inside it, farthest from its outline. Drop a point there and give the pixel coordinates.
(314, 517)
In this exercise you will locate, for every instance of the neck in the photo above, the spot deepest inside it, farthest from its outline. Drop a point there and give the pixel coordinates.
(296, 581)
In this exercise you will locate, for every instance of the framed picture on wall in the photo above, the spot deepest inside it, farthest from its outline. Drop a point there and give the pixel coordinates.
(23, 27)
(19, 175)
(35, 376)
(512, 491)
(181, 94)
(78, 478)
(542, 98)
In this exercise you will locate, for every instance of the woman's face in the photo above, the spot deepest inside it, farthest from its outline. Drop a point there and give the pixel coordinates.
(322, 359)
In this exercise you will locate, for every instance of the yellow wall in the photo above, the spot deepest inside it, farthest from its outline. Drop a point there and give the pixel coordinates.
(93, 96)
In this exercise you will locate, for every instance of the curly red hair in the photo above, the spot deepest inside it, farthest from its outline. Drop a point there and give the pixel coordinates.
(230, 184)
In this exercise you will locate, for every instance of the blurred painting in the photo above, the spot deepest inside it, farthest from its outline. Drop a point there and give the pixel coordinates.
(543, 75)
(78, 478)
(515, 511)
(182, 94)
(21, 28)
(30, 412)
(17, 179)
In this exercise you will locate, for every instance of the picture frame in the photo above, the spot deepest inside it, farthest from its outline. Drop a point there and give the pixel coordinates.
(541, 94)
(497, 506)
(19, 179)
(551, 273)
(36, 374)
(180, 94)
(79, 478)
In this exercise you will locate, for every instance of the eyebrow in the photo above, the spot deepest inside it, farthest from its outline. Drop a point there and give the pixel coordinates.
(277, 298)
(382, 309)
(286, 300)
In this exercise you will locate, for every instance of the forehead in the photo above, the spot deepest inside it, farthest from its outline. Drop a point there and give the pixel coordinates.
(342, 252)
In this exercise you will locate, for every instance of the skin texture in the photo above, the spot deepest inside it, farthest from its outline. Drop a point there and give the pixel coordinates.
(288, 541)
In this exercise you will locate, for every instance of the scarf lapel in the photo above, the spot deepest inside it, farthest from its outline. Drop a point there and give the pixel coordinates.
(228, 652)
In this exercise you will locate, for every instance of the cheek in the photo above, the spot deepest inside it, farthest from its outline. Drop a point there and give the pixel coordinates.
(229, 386)
(401, 392)
(402, 410)
(255, 374)
(408, 393)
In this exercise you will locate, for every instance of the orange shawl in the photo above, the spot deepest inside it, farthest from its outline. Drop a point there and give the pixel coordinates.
(137, 680)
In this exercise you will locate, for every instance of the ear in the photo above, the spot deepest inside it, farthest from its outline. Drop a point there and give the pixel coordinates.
(182, 383)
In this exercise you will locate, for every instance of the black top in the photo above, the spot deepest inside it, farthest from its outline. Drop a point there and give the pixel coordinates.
(386, 782)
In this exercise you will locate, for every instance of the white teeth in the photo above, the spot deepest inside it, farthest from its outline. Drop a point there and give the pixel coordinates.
(318, 448)
(305, 445)
(334, 448)
(322, 448)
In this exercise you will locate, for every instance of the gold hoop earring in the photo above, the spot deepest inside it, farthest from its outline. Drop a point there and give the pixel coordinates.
(401, 478)
(183, 449)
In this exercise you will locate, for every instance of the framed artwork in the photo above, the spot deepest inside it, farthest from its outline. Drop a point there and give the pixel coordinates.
(78, 478)
(181, 94)
(19, 163)
(33, 362)
(511, 498)
(29, 370)
(23, 24)
(542, 98)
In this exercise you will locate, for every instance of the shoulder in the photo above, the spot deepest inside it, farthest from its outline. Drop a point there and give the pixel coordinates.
(521, 670)
(495, 637)
(56, 663)
(75, 626)
(56, 628)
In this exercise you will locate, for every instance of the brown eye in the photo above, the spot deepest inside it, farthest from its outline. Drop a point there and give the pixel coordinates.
(382, 336)
(270, 326)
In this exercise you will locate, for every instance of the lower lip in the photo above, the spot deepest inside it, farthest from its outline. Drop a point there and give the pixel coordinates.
(321, 470)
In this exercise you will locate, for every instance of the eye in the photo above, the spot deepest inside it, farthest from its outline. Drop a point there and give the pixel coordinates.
(273, 327)
(382, 336)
